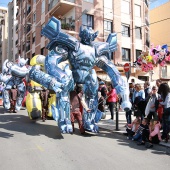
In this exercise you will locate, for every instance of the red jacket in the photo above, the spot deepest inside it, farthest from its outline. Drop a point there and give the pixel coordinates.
(112, 96)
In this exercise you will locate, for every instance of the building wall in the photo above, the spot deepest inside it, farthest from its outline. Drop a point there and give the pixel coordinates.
(100, 10)
(4, 35)
(160, 30)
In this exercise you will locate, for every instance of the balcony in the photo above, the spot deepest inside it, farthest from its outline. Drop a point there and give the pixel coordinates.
(28, 10)
(60, 7)
(147, 43)
(28, 29)
(27, 47)
(17, 2)
(146, 2)
(16, 29)
(16, 42)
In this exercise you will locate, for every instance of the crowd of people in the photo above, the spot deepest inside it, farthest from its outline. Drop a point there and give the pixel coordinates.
(150, 108)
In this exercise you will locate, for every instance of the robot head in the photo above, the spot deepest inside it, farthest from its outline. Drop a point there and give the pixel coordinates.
(22, 62)
(87, 35)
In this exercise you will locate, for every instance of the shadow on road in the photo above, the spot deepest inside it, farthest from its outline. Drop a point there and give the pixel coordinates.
(21, 123)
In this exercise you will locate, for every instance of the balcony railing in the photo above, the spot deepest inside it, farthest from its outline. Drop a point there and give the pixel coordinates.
(16, 27)
(68, 26)
(54, 2)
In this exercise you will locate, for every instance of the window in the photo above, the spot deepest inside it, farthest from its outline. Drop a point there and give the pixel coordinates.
(108, 4)
(33, 37)
(34, 17)
(88, 20)
(125, 30)
(125, 7)
(138, 33)
(42, 51)
(108, 26)
(125, 54)
(137, 11)
(164, 72)
(23, 47)
(91, 1)
(138, 53)
(43, 7)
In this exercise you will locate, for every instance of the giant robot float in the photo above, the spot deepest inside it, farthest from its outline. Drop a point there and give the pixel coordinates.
(82, 57)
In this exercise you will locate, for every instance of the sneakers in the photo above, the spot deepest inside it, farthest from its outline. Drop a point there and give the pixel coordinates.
(141, 143)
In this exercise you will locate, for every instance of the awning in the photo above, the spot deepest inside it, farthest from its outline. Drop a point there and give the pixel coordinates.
(106, 78)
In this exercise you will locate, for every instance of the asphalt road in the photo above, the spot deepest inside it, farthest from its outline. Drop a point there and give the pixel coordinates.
(28, 145)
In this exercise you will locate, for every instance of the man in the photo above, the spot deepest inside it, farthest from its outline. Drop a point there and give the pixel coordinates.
(76, 102)
(102, 89)
(147, 90)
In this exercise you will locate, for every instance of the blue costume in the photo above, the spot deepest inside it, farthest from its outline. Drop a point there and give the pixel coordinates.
(82, 57)
(13, 75)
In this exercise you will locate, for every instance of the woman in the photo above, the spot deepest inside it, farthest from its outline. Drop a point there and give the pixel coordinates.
(165, 95)
(138, 100)
(111, 100)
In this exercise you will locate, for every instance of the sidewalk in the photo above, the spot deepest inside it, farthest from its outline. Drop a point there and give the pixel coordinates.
(111, 126)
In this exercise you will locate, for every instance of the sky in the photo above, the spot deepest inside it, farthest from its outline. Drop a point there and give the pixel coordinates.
(4, 3)
(156, 3)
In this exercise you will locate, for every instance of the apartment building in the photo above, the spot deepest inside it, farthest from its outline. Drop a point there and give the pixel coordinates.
(3, 35)
(12, 31)
(129, 18)
(160, 19)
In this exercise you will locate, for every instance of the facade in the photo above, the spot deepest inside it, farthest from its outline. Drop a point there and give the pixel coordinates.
(129, 18)
(3, 35)
(160, 32)
(12, 31)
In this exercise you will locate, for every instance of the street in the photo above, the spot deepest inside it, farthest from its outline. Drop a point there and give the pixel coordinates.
(29, 145)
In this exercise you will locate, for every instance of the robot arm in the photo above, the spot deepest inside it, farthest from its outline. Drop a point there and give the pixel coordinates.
(118, 83)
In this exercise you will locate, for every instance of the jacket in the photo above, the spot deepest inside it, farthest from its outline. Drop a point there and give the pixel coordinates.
(156, 131)
(112, 96)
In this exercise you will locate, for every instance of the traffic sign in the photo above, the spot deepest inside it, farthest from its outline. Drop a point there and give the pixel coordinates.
(126, 67)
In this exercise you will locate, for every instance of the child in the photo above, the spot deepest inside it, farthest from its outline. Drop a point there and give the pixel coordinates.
(142, 133)
(132, 128)
(154, 130)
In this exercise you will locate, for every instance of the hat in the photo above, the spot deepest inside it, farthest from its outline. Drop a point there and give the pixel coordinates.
(101, 83)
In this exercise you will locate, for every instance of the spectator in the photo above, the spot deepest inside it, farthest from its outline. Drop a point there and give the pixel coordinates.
(160, 107)
(154, 131)
(103, 89)
(129, 113)
(111, 100)
(100, 102)
(132, 128)
(158, 83)
(139, 102)
(152, 105)
(165, 95)
(142, 133)
(147, 90)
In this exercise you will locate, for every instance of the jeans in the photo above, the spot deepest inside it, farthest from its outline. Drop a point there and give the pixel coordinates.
(137, 137)
(111, 108)
(128, 116)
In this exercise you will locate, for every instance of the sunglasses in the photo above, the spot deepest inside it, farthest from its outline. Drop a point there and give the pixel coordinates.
(154, 89)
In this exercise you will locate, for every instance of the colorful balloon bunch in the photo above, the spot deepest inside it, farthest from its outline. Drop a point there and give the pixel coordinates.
(156, 55)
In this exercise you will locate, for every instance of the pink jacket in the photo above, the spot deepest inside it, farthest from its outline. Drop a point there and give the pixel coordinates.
(156, 131)
(112, 96)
